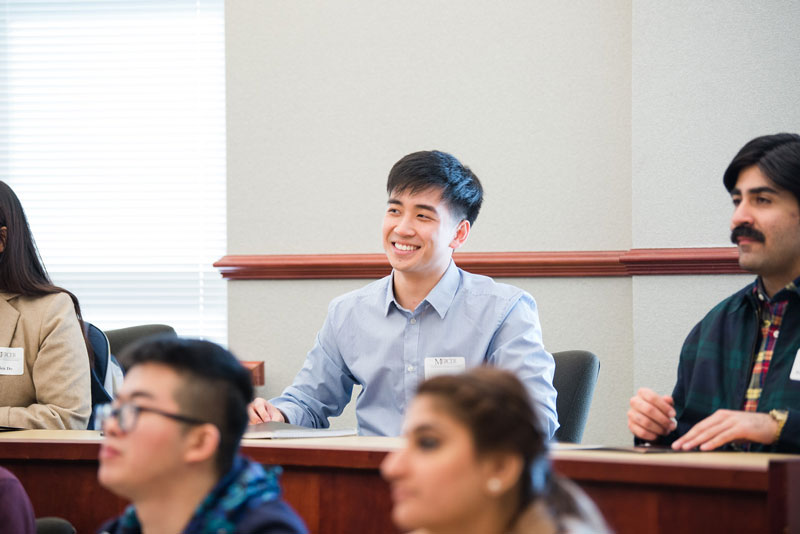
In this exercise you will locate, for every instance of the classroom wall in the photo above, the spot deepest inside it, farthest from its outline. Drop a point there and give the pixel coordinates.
(592, 125)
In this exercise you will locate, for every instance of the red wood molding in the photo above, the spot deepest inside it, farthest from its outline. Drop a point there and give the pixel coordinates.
(644, 261)
(634, 262)
(256, 371)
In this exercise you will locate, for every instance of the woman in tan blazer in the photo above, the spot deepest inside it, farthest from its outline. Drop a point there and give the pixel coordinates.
(44, 355)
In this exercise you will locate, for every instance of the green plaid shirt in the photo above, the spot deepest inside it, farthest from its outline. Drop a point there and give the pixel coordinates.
(717, 360)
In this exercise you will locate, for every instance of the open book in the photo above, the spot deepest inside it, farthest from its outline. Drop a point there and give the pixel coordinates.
(277, 430)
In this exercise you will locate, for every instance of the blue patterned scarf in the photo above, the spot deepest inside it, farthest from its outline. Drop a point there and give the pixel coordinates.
(246, 486)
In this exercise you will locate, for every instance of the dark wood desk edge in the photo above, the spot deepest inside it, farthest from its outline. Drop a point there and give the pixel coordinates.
(584, 469)
(711, 477)
(290, 456)
(49, 450)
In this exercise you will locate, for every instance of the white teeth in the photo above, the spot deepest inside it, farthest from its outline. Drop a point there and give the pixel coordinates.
(405, 247)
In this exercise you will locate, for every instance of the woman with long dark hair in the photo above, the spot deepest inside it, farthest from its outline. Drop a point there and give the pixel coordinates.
(476, 463)
(44, 356)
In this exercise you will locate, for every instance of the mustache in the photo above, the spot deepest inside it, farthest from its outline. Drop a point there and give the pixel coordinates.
(748, 232)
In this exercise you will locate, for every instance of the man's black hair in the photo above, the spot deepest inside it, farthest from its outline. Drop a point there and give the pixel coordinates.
(216, 387)
(417, 172)
(777, 156)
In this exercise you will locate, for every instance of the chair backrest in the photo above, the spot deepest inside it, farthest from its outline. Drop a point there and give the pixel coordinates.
(574, 380)
(102, 356)
(53, 525)
(122, 337)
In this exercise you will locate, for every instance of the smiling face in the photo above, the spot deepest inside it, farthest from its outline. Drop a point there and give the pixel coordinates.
(766, 228)
(437, 480)
(420, 233)
(135, 464)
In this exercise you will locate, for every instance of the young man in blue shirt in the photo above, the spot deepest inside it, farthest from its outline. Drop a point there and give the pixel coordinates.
(428, 317)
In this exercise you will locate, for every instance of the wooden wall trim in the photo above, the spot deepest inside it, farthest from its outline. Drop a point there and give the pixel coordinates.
(634, 262)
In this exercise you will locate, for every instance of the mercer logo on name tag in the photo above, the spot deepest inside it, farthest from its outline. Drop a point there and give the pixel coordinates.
(12, 360)
(444, 365)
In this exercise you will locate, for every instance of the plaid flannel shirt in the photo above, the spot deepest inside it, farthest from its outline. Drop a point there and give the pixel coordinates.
(716, 366)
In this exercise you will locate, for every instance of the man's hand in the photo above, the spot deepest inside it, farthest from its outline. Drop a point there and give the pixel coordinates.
(725, 426)
(260, 411)
(651, 415)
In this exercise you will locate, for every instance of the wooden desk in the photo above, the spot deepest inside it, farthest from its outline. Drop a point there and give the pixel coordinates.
(689, 492)
(335, 486)
(333, 483)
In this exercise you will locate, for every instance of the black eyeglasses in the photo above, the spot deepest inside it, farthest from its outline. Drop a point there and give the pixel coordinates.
(128, 413)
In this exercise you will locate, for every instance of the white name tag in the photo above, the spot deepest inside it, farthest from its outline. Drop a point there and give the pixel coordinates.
(446, 365)
(12, 360)
(795, 374)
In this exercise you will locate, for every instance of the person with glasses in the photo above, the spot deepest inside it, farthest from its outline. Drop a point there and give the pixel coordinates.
(44, 355)
(171, 445)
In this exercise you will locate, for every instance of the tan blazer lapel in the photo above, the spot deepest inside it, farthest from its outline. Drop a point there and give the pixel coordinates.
(8, 320)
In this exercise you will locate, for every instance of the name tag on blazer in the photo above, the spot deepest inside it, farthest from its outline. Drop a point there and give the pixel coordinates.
(12, 360)
(795, 374)
(446, 365)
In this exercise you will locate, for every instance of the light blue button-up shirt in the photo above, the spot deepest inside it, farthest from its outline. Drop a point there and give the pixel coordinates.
(369, 339)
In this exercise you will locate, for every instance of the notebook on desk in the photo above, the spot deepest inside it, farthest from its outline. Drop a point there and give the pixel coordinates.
(277, 430)
(639, 449)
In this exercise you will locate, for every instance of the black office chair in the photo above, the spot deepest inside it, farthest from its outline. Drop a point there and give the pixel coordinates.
(53, 525)
(574, 380)
(122, 337)
(105, 345)
(102, 361)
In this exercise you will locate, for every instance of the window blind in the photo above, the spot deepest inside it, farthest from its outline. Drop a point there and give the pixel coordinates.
(112, 133)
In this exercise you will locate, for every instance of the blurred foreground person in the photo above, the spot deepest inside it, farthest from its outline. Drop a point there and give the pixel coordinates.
(171, 446)
(16, 511)
(476, 462)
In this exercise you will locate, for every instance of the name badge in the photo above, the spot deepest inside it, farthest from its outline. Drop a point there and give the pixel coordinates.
(12, 360)
(445, 365)
(795, 374)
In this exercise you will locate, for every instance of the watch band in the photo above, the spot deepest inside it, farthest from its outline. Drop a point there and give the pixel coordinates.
(780, 417)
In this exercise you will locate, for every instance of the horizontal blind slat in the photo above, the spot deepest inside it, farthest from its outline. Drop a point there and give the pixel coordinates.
(112, 133)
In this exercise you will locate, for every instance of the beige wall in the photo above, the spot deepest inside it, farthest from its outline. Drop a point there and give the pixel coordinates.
(593, 126)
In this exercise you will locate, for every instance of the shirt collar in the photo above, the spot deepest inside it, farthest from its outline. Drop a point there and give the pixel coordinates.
(761, 295)
(440, 297)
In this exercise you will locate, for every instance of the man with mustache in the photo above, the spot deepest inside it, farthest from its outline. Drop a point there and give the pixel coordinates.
(739, 373)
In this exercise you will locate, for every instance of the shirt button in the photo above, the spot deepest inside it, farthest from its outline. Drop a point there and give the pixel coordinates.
(410, 368)
(413, 321)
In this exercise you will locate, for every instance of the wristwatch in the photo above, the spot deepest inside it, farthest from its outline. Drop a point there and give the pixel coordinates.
(779, 416)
